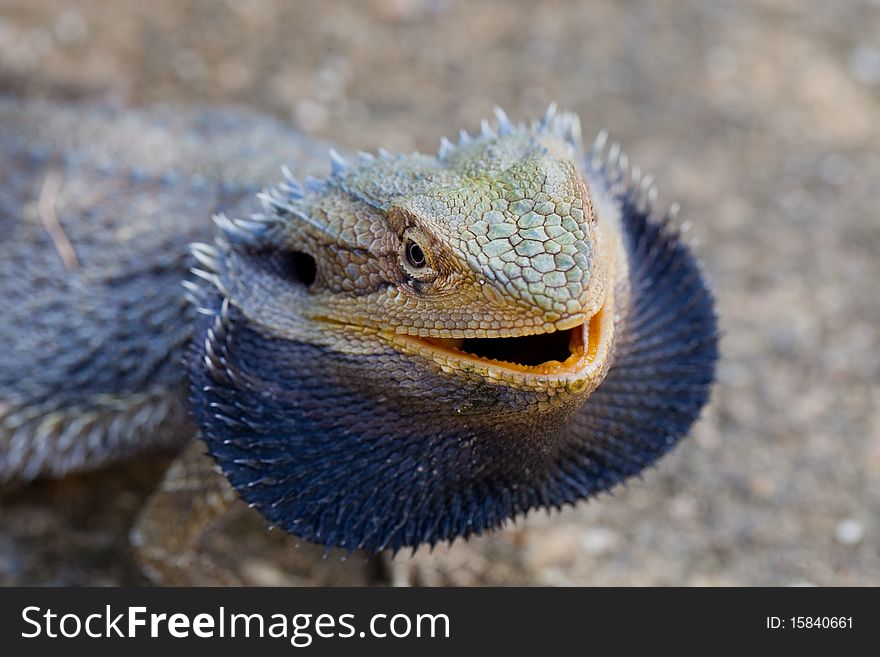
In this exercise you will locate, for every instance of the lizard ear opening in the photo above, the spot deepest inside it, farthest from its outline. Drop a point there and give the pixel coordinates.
(299, 267)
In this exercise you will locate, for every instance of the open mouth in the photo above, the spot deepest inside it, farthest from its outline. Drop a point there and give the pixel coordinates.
(568, 351)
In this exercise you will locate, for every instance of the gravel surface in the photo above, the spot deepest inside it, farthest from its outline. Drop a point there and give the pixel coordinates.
(762, 118)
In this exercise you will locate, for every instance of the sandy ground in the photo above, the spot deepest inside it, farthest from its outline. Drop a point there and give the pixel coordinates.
(762, 118)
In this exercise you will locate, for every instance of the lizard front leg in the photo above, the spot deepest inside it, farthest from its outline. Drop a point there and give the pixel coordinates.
(169, 532)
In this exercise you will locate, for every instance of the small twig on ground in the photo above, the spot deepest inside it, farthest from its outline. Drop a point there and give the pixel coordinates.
(46, 205)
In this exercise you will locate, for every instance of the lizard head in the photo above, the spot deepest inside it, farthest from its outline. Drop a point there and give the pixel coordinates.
(486, 259)
(412, 348)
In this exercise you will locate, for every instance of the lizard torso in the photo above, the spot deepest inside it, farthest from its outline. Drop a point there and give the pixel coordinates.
(92, 348)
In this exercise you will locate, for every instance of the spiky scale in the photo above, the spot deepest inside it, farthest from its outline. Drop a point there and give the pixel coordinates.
(446, 148)
(548, 117)
(505, 127)
(337, 163)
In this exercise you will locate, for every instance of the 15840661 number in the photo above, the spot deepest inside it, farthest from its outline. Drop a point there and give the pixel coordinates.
(821, 622)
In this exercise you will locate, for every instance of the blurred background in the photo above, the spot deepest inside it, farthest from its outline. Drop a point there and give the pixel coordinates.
(762, 118)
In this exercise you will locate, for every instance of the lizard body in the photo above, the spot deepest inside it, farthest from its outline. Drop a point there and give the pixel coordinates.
(91, 359)
(410, 349)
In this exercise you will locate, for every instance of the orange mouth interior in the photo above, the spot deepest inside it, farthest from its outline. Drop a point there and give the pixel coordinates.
(560, 352)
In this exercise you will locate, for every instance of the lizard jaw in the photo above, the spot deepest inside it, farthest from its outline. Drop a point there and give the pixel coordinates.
(575, 358)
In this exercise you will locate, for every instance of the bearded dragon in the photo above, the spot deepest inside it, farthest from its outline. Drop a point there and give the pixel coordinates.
(403, 350)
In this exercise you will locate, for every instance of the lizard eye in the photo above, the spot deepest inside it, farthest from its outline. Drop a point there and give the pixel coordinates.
(416, 258)
(414, 255)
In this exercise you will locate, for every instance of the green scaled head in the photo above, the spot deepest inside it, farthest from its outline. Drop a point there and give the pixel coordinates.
(492, 237)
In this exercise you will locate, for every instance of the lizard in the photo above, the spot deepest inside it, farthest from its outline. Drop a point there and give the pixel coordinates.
(402, 350)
